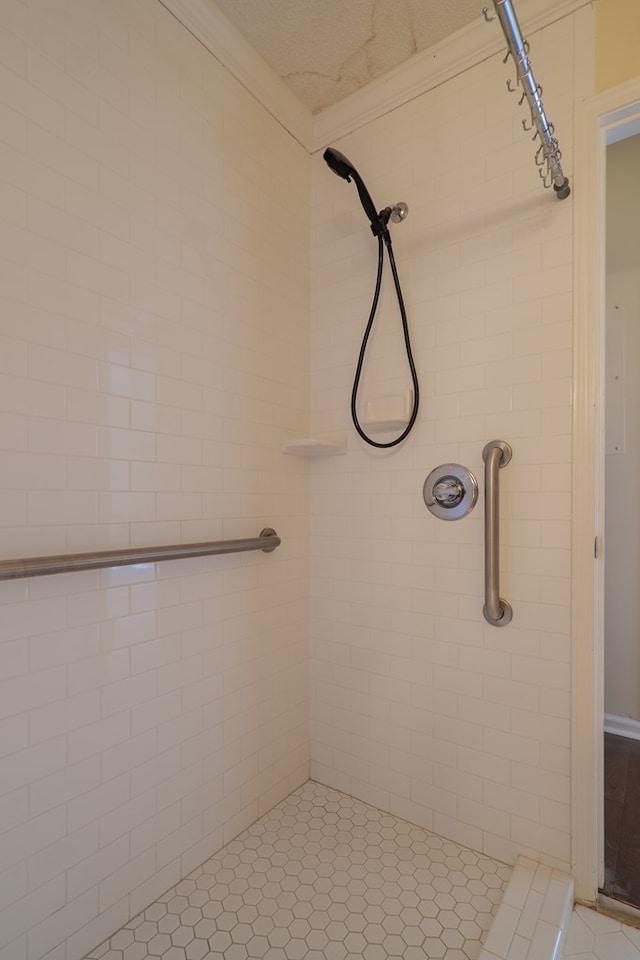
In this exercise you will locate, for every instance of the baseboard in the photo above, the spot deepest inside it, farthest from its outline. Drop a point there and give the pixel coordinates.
(622, 726)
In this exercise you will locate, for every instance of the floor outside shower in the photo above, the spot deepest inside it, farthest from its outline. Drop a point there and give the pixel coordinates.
(323, 876)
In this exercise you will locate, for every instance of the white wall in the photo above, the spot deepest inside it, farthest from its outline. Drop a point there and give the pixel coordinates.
(153, 351)
(418, 705)
(622, 467)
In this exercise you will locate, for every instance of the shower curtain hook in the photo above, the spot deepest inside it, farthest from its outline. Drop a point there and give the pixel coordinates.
(543, 174)
(531, 91)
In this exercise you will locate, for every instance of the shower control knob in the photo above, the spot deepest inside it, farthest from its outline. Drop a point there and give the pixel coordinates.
(448, 492)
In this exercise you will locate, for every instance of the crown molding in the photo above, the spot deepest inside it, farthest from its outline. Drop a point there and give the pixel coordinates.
(430, 68)
(424, 71)
(221, 38)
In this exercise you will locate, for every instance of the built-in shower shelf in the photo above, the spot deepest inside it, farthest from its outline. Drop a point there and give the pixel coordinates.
(312, 447)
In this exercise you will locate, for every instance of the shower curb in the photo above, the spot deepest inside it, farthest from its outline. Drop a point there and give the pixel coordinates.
(533, 917)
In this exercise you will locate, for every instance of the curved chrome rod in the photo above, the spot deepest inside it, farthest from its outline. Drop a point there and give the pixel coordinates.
(73, 562)
(519, 50)
(496, 611)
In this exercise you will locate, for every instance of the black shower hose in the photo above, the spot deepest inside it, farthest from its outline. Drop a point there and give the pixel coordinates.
(407, 343)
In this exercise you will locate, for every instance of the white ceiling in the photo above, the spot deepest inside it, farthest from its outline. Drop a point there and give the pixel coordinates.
(326, 49)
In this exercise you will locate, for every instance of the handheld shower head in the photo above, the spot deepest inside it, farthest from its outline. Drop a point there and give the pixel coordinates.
(343, 167)
(337, 162)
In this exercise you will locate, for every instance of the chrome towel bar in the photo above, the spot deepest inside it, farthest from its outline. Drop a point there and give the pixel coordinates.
(496, 611)
(267, 541)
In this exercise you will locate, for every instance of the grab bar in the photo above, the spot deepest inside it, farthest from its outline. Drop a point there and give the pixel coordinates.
(73, 562)
(496, 611)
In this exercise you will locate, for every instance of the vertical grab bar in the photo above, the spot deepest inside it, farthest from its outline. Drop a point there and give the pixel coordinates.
(496, 611)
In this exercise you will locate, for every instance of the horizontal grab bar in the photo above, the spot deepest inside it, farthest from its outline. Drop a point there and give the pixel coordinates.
(73, 562)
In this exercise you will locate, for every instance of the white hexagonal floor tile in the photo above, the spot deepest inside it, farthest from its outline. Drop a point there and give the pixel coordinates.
(594, 936)
(323, 876)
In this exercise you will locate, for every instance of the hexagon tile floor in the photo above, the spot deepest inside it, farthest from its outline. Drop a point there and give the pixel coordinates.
(594, 936)
(322, 877)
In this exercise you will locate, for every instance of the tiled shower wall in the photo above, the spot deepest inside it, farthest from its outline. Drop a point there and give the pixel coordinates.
(418, 705)
(153, 351)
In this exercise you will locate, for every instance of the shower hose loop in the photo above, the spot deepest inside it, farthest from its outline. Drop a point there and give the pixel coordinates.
(384, 239)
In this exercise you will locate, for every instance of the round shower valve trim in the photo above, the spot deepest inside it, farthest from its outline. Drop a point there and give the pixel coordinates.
(450, 491)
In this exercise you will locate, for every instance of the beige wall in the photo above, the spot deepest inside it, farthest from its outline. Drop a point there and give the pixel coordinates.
(617, 42)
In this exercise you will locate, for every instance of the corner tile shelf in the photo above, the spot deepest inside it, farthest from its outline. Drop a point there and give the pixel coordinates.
(312, 447)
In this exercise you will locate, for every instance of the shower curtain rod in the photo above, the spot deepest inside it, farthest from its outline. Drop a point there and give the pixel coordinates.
(73, 562)
(548, 152)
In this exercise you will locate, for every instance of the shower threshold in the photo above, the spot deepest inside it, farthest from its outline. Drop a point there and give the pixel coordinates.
(322, 876)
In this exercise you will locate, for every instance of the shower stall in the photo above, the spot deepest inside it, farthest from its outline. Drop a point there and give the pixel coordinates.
(184, 288)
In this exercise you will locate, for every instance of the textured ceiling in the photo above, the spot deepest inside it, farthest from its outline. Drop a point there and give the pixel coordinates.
(327, 49)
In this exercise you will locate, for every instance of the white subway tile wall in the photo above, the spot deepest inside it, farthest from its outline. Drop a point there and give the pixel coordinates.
(154, 272)
(419, 706)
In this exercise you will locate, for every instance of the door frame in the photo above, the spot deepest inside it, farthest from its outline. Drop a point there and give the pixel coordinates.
(606, 118)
